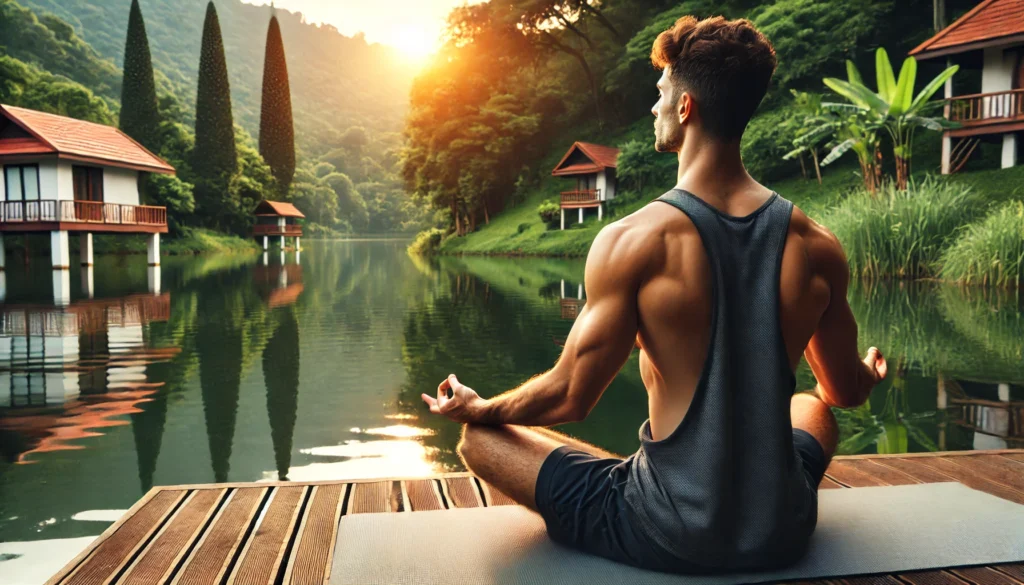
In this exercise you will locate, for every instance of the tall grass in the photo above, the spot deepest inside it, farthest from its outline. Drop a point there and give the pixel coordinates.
(901, 233)
(990, 252)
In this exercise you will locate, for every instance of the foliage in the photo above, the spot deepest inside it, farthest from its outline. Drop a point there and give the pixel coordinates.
(277, 136)
(214, 159)
(765, 143)
(426, 242)
(140, 115)
(24, 85)
(638, 164)
(990, 251)
(901, 233)
(549, 212)
(172, 193)
(894, 107)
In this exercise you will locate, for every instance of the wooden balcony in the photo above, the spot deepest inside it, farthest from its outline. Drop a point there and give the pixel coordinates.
(89, 216)
(581, 198)
(986, 113)
(289, 230)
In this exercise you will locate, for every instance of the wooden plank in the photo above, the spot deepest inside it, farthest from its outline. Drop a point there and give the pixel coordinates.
(286, 483)
(886, 474)
(311, 562)
(215, 552)
(1016, 456)
(973, 479)
(927, 454)
(922, 470)
(370, 497)
(869, 580)
(461, 492)
(423, 494)
(828, 484)
(846, 474)
(493, 497)
(985, 576)
(158, 560)
(931, 578)
(263, 554)
(117, 550)
(996, 468)
(1014, 570)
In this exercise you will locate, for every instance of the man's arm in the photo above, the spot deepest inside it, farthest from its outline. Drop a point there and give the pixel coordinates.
(598, 345)
(844, 380)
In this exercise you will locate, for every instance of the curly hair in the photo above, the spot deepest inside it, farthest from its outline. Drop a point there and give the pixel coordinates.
(725, 64)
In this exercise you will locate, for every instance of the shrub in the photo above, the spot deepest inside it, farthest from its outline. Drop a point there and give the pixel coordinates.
(901, 233)
(990, 251)
(426, 242)
(550, 212)
(522, 227)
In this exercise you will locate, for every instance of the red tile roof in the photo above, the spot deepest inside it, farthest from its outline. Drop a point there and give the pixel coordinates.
(77, 140)
(277, 208)
(601, 156)
(991, 20)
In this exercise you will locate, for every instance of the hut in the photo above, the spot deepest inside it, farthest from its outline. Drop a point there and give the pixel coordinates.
(277, 218)
(593, 167)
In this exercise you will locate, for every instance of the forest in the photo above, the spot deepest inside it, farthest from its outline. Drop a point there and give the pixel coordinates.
(67, 58)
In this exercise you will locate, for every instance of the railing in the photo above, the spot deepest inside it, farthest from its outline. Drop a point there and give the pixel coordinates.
(267, 229)
(82, 212)
(581, 196)
(986, 108)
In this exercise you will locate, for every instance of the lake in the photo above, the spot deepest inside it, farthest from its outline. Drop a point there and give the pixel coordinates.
(309, 366)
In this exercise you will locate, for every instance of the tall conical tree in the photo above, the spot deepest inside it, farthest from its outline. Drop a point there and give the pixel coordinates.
(281, 373)
(140, 116)
(214, 158)
(277, 135)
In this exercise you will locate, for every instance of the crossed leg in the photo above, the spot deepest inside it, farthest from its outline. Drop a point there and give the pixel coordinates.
(809, 413)
(509, 457)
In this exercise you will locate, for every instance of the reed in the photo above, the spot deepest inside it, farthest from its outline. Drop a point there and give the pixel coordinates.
(989, 252)
(901, 233)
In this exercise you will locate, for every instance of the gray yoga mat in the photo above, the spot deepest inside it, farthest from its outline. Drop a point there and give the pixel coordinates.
(860, 531)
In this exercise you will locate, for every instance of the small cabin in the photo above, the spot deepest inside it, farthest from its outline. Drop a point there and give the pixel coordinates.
(593, 168)
(277, 218)
(62, 175)
(991, 38)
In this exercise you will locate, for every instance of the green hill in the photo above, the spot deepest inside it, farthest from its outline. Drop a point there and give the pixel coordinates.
(337, 81)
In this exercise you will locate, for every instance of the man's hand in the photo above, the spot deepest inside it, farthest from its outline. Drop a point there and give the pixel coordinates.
(876, 366)
(465, 405)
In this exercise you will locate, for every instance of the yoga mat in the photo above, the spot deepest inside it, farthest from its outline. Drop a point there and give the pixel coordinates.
(860, 531)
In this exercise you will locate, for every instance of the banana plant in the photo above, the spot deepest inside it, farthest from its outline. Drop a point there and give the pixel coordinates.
(894, 107)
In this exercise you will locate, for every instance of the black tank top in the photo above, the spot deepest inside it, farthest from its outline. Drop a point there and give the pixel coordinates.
(726, 488)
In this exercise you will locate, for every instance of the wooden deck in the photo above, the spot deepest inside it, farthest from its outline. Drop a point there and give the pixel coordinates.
(284, 532)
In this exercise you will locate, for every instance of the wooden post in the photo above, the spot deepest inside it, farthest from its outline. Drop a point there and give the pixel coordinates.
(581, 215)
(59, 255)
(85, 249)
(563, 217)
(265, 241)
(88, 282)
(600, 211)
(153, 249)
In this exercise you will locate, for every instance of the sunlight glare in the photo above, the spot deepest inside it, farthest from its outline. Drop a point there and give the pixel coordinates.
(415, 42)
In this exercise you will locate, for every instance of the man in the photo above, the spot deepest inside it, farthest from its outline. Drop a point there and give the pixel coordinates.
(722, 284)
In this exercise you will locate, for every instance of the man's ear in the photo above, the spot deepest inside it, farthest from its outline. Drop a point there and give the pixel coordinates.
(685, 107)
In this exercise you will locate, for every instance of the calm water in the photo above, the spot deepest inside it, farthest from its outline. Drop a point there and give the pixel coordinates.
(254, 368)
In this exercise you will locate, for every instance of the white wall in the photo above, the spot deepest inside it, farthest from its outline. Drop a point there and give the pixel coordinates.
(120, 186)
(606, 184)
(997, 72)
(54, 179)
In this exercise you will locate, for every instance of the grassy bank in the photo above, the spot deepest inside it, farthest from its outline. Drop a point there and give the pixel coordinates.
(193, 241)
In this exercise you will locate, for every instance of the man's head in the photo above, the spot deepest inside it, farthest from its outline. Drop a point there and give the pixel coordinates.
(715, 73)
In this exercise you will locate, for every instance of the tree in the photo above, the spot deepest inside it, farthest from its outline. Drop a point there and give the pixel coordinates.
(140, 116)
(215, 159)
(894, 107)
(277, 135)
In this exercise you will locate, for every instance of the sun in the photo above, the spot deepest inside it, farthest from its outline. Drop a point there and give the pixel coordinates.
(416, 43)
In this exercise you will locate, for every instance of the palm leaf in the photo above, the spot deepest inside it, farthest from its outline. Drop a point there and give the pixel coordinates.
(852, 75)
(932, 87)
(839, 150)
(858, 94)
(904, 92)
(936, 124)
(794, 153)
(885, 76)
(838, 107)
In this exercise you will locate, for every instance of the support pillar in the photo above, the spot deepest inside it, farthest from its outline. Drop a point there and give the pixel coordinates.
(3, 286)
(581, 215)
(1009, 158)
(579, 292)
(153, 249)
(563, 218)
(562, 296)
(297, 238)
(282, 255)
(947, 152)
(282, 243)
(59, 254)
(265, 242)
(600, 211)
(153, 279)
(298, 254)
(3, 256)
(266, 258)
(88, 282)
(61, 287)
(85, 249)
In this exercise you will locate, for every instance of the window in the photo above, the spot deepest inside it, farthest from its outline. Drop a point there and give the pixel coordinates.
(88, 183)
(22, 182)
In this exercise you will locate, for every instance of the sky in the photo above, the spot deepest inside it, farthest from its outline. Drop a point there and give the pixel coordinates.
(413, 26)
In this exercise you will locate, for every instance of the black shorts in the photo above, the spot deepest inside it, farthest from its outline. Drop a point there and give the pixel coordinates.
(581, 498)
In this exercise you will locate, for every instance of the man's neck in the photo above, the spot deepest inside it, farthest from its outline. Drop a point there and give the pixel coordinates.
(712, 169)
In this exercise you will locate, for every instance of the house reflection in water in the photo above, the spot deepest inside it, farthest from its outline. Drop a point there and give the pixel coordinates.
(984, 407)
(279, 284)
(571, 307)
(67, 370)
